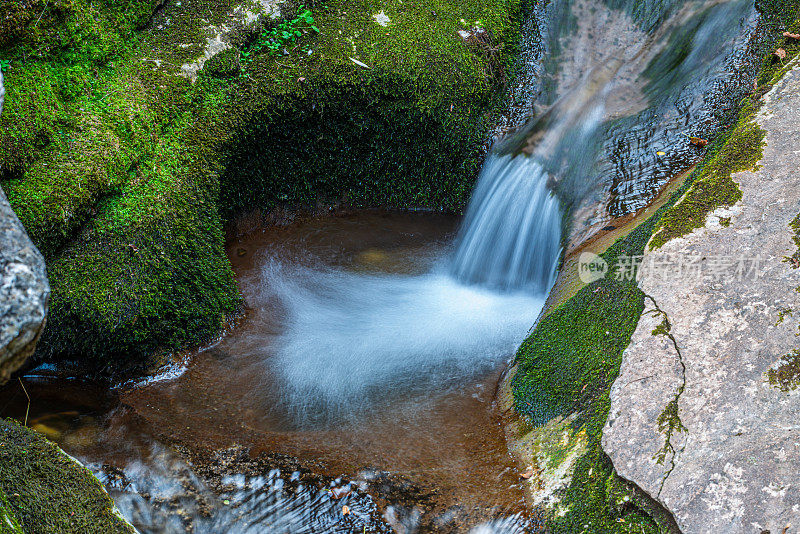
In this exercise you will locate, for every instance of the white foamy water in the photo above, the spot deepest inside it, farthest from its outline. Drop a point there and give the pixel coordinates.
(511, 236)
(349, 338)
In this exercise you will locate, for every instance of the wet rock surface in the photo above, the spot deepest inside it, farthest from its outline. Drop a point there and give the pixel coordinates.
(695, 420)
(24, 290)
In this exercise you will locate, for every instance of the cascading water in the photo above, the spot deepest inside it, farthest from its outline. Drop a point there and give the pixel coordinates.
(510, 238)
(343, 355)
(349, 340)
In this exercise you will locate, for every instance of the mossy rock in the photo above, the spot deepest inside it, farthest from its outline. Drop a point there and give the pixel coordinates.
(48, 491)
(226, 64)
(8, 521)
(124, 172)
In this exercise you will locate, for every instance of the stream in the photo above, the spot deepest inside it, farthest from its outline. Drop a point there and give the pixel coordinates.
(357, 392)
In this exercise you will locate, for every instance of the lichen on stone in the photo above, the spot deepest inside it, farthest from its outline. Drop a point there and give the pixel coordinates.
(786, 376)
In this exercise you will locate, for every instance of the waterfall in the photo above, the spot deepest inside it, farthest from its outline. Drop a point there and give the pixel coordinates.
(510, 238)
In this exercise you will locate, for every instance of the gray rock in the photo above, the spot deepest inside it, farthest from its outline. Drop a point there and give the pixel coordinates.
(2, 92)
(24, 290)
(733, 458)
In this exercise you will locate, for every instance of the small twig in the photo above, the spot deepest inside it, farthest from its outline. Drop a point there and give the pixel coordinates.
(27, 410)
(41, 14)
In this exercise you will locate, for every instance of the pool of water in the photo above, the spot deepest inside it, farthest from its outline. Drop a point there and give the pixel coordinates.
(357, 358)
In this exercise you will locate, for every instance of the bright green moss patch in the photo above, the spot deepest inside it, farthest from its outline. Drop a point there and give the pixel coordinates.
(599, 322)
(568, 365)
(49, 492)
(741, 147)
(712, 186)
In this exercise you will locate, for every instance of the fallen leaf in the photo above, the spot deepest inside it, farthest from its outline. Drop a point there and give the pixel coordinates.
(527, 474)
(781, 53)
(791, 35)
(345, 510)
(697, 141)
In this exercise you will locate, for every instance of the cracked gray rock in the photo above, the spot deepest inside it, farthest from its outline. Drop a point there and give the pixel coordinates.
(732, 460)
(24, 290)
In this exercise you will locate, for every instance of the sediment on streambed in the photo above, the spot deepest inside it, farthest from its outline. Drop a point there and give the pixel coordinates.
(124, 157)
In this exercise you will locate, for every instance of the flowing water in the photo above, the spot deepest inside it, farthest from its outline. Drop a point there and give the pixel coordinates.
(364, 372)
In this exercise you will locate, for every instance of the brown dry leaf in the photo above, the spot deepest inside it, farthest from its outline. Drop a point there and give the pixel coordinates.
(781, 53)
(527, 474)
(698, 141)
(345, 510)
(791, 35)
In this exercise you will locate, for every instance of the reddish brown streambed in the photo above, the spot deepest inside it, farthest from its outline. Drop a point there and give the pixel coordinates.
(446, 443)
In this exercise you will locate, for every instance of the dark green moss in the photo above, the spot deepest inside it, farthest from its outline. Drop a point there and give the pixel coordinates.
(224, 65)
(407, 131)
(49, 492)
(8, 521)
(786, 376)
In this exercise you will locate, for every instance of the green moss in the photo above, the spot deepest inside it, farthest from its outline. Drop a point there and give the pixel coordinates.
(407, 131)
(124, 172)
(712, 185)
(8, 521)
(741, 147)
(599, 320)
(568, 365)
(49, 492)
(223, 65)
(786, 376)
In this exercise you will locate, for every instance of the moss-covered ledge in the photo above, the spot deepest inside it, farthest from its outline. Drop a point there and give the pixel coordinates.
(124, 171)
(48, 492)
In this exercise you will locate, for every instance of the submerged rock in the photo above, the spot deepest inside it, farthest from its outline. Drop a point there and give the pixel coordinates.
(700, 418)
(24, 290)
